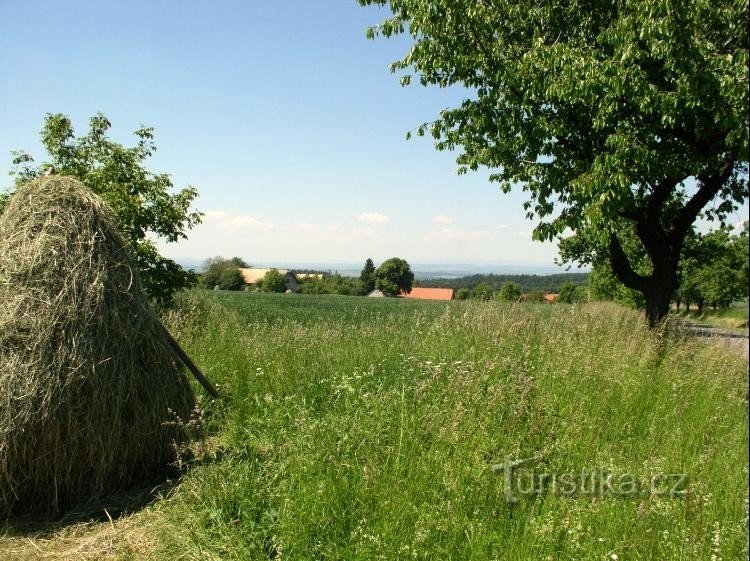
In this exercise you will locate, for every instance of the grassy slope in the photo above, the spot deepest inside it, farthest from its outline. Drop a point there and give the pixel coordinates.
(365, 429)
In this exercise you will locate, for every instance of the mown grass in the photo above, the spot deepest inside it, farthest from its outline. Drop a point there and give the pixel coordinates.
(355, 428)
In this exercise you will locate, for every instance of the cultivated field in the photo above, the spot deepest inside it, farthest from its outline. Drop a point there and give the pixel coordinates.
(357, 428)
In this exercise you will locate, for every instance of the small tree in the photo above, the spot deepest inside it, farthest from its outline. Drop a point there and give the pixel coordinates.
(394, 277)
(463, 293)
(273, 281)
(509, 292)
(482, 291)
(231, 279)
(568, 293)
(367, 276)
(714, 269)
(216, 272)
(142, 201)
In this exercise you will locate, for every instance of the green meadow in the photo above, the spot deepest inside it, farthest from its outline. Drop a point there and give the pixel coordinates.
(355, 428)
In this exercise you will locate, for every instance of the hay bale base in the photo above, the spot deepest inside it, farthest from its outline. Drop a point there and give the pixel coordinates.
(90, 387)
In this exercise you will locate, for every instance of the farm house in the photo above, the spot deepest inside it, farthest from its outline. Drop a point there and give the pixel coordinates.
(251, 277)
(421, 293)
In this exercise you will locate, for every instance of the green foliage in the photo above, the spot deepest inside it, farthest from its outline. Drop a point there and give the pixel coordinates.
(273, 281)
(332, 284)
(231, 279)
(143, 202)
(380, 444)
(482, 291)
(570, 294)
(463, 293)
(604, 286)
(509, 292)
(394, 276)
(607, 114)
(367, 277)
(223, 273)
(714, 269)
(547, 283)
(536, 296)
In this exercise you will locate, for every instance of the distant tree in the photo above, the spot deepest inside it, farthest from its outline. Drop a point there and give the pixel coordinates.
(394, 276)
(367, 276)
(714, 269)
(231, 279)
(215, 269)
(509, 292)
(239, 262)
(143, 202)
(310, 284)
(482, 291)
(603, 285)
(273, 281)
(569, 293)
(463, 293)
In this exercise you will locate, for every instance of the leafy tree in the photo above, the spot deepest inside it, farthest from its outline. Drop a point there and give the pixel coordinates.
(482, 291)
(143, 202)
(567, 294)
(224, 273)
(609, 115)
(463, 293)
(509, 292)
(273, 281)
(714, 269)
(231, 279)
(394, 276)
(368, 276)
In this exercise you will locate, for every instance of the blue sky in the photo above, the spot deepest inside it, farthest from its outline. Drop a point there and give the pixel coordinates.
(283, 116)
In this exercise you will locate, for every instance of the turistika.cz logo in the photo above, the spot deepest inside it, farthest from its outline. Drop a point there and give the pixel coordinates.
(521, 479)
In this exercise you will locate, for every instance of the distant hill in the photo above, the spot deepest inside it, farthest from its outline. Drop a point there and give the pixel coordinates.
(528, 283)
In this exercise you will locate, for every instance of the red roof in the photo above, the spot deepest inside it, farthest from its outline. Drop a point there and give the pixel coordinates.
(420, 293)
(550, 297)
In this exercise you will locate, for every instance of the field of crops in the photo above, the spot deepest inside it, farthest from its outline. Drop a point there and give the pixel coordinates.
(356, 428)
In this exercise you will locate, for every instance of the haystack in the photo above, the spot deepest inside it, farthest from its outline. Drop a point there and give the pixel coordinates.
(89, 386)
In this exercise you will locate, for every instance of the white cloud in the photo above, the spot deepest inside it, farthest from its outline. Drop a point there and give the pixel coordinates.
(502, 226)
(248, 222)
(372, 217)
(443, 219)
(215, 214)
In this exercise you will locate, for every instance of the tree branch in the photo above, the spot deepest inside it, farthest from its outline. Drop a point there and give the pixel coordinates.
(709, 188)
(621, 266)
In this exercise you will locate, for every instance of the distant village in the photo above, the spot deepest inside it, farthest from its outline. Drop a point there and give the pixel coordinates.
(392, 279)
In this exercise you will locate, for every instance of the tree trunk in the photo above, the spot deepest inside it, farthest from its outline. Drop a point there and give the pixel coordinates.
(658, 296)
(658, 287)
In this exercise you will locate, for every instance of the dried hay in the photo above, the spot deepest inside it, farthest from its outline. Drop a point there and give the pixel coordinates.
(90, 387)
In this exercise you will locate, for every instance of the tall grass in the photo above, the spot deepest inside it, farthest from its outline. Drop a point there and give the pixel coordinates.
(367, 429)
